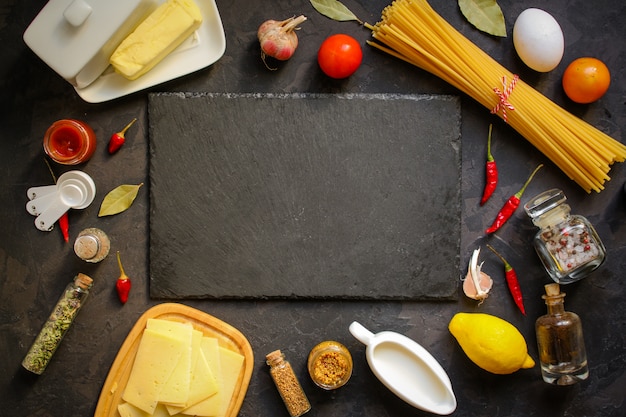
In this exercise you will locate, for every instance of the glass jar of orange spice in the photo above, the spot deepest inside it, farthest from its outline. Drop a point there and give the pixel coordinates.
(69, 142)
(287, 384)
(330, 365)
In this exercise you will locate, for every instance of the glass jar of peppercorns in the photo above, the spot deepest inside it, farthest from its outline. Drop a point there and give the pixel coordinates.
(567, 244)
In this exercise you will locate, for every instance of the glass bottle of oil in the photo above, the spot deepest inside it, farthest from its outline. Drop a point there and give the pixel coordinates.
(560, 342)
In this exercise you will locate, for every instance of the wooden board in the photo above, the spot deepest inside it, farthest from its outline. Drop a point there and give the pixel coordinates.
(303, 195)
(227, 336)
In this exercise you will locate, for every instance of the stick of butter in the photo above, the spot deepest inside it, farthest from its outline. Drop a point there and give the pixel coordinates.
(157, 36)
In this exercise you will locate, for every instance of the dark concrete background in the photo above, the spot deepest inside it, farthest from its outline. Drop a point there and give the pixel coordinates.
(35, 266)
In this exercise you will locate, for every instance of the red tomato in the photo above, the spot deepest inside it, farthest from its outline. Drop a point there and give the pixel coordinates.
(586, 79)
(339, 56)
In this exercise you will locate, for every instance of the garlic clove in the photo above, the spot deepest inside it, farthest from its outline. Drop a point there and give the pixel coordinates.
(477, 284)
(470, 290)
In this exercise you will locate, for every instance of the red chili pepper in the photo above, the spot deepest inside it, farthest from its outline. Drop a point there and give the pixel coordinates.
(512, 281)
(118, 139)
(64, 220)
(123, 284)
(510, 206)
(491, 173)
(64, 225)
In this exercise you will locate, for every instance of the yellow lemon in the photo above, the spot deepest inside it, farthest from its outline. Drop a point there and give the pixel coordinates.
(490, 342)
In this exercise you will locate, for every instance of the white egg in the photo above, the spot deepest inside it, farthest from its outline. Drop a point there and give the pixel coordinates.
(538, 40)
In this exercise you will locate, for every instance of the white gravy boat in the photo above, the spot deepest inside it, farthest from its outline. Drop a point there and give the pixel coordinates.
(407, 369)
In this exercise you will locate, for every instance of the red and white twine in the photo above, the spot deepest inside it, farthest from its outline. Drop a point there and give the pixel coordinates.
(503, 103)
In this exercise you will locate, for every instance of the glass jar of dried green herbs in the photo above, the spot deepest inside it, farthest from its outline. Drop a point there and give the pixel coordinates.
(58, 324)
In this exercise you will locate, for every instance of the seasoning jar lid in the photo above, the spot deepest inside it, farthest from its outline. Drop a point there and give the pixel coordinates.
(83, 281)
(330, 365)
(92, 245)
(274, 357)
(69, 142)
(76, 37)
(544, 202)
(552, 289)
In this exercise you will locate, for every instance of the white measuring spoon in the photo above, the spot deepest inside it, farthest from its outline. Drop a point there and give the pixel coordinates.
(75, 189)
(41, 198)
(39, 192)
(407, 369)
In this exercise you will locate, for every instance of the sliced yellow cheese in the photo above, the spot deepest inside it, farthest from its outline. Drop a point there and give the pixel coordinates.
(155, 361)
(172, 328)
(129, 410)
(157, 36)
(176, 389)
(230, 364)
(203, 382)
(210, 406)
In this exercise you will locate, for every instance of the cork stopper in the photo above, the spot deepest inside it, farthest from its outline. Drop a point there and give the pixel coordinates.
(552, 289)
(87, 246)
(83, 281)
(553, 294)
(274, 357)
(92, 245)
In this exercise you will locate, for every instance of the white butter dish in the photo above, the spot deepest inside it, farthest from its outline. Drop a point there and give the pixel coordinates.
(76, 37)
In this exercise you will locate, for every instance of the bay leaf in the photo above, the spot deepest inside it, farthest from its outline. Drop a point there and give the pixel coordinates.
(119, 199)
(335, 10)
(485, 15)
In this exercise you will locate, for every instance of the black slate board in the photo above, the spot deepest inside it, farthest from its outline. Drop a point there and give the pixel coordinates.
(309, 196)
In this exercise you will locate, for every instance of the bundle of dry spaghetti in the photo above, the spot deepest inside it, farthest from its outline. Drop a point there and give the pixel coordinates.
(412, 31)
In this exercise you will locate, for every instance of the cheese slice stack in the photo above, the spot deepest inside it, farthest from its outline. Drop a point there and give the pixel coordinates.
(128, 410)
(178, 370)
(203, 382)
(227, 369)
(156, 37)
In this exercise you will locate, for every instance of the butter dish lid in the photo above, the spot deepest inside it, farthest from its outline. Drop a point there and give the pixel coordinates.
(69, 35)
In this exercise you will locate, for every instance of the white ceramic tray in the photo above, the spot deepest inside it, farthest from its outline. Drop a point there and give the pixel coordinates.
(203, 48)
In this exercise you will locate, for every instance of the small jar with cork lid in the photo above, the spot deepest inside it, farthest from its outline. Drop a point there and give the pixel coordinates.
(567, 244)
(57, 325)
(92, 245)
(287, 384)
(560, 341)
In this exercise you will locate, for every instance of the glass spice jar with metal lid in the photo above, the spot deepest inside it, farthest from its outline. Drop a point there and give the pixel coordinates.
(567, 244)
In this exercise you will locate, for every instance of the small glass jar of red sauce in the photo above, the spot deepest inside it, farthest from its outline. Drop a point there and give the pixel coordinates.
(69, 142)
